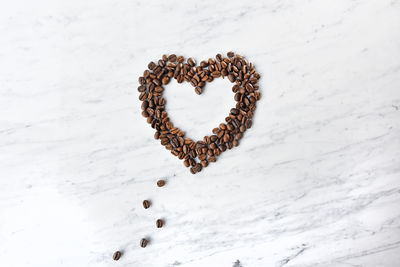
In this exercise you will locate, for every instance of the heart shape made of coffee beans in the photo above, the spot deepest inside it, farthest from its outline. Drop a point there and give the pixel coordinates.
(227, 135)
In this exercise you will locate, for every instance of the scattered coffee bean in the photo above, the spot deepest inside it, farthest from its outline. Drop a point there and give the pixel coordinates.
(159, 223)
(144, 242)
(198, 155)
(117, 255)
(146, 204)
(198, 90)
(160, 183)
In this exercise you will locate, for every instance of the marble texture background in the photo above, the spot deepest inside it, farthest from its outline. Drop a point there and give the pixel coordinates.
(315, 182)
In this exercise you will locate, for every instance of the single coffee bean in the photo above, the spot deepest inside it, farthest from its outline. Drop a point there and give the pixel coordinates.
(212, 159)
(146, 204)
(144, 242)
(198, 90)
(151, 65)
(117, 255)
(231, 78)
(159, 223)
(172, 58)
(181, 59)
(161, 183)
(191, 62)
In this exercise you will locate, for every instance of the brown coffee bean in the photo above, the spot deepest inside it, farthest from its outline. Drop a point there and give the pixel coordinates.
(161, 183)
(203, 63)
(151, 65)
(144, 242)
(159, 223)
(146, 204)
(186, 163)
(117, 255)
(231, 78)
(191, 62)
(230, 54)
(165, 80)
(198, 90)
(172, 58)
(181, 59)
(212, 159)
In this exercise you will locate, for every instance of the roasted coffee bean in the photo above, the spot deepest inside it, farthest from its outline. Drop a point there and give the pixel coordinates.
(160, 183)
(191, 62)
(151, 65)
(231, 78)
(165, 80)
(159, 223)
(198, 90)
(117, 255)
(212, 159)
(180, 59)
(246, 93)
(144, 242)
(146, 204)
(172, 58)
(198, 167)
(235, 111)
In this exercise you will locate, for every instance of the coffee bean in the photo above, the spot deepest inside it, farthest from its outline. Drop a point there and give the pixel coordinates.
(212, 159)
(117, 255)
(172, 58)
(160, 183)
(181, 59)
(144, 242)
(165, 80)
(245, 87)
(151, 65)
(235, 111)
(231, 78)
(198, 90)
(159, 223)
(191, 62)
(146, 204)
(204, 163)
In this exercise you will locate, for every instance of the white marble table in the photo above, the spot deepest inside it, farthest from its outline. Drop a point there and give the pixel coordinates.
(315, 182)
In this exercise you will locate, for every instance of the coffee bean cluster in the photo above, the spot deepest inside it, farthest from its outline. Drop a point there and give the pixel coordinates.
(198, 154)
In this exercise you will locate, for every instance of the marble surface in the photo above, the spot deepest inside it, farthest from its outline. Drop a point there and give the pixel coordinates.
(315, 182)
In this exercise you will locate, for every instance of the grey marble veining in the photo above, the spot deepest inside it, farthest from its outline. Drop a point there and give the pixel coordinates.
(314, 182)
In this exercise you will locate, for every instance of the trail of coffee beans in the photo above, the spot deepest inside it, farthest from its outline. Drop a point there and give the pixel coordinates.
(226, 136)
(198, 154)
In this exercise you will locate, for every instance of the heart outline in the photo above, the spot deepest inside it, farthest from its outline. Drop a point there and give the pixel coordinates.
(227, 135)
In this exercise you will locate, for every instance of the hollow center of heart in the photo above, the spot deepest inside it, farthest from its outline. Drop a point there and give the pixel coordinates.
(197, 115)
